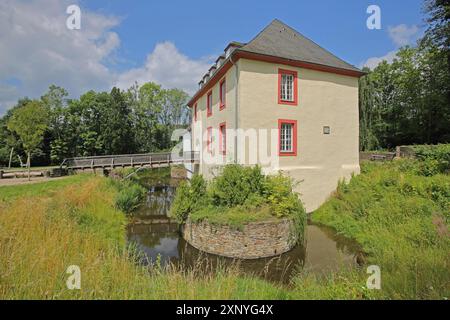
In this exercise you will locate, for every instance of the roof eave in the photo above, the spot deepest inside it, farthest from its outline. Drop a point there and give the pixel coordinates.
(239, 53)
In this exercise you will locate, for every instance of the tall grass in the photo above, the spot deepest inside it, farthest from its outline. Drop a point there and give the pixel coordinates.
(40, 237)
(401, 220)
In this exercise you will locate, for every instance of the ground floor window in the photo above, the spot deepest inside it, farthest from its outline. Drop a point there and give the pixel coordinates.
(287, 137)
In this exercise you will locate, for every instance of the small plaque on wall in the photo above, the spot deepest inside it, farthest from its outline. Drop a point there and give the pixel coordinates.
(326, 130)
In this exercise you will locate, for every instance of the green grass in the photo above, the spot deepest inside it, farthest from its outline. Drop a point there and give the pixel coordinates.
(401, 220)
(77, 224)
(235, 217)
(39, 188)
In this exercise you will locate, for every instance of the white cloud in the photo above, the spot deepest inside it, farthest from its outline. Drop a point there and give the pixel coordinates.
(168, 67)
(403, 35)
(375, 61)
(37, 49)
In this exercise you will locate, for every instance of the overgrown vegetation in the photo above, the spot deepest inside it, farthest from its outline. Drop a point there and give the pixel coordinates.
(237, 196)
(435, 158)
(42, 234)
(129, 196)
(398, 216)
(399, 213)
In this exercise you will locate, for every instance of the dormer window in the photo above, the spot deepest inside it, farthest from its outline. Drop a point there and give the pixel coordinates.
(228, 52)
(230, 48)
(219, 61)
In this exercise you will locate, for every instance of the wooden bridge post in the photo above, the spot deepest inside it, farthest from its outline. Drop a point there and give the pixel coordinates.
(112, 163)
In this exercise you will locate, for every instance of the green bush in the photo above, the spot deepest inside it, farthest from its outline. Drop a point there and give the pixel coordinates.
(130, 195)
(236, 184)
(434, 159)
(190, 197)
(238, 196)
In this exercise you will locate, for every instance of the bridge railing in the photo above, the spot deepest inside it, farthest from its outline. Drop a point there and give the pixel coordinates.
(130, 160)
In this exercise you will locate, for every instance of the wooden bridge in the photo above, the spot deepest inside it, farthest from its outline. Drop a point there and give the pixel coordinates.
(149, 160)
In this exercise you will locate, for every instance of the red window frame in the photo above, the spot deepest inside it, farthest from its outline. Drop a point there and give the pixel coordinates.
(209, 139)
(209, 104)
(195, 112)
(222, 137)
(293, 73)
(294, 138)
(223, 94)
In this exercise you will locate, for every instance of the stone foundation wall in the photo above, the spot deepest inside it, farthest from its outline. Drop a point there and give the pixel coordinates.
(255, 240)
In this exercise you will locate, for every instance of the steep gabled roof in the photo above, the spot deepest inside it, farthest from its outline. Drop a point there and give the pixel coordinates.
(280, 40)
(279, 43)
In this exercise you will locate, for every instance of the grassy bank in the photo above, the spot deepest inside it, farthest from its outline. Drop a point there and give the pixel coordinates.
(398, 215)
(399, 212)
(78, 224)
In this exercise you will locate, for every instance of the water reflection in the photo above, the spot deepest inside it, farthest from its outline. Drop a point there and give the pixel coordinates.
(155, 235)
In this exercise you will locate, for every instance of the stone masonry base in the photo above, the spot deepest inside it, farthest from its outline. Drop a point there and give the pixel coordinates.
(255, 240)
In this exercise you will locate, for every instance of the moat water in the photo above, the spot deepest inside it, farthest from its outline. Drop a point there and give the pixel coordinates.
(158, 238)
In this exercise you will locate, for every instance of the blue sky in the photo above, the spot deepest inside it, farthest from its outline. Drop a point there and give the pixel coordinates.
(201, 28)
(173, 42)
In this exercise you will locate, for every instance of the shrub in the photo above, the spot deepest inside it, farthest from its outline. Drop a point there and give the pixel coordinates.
(130, 196)
(190, 196)
(239, 195)
(236, 184)
(434, 158)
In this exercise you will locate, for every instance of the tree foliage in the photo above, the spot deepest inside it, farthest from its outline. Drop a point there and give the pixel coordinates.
(29, 123)
(140, 119)
(406, 101)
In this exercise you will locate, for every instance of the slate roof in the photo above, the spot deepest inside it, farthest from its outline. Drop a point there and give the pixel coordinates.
(280, 40)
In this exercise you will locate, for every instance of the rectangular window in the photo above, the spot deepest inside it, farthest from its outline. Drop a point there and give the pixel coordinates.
(209, 103)
(195, 112)
(209, 139)
(287, 134)
(223, 138)
(223, 92)
(287, 87)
